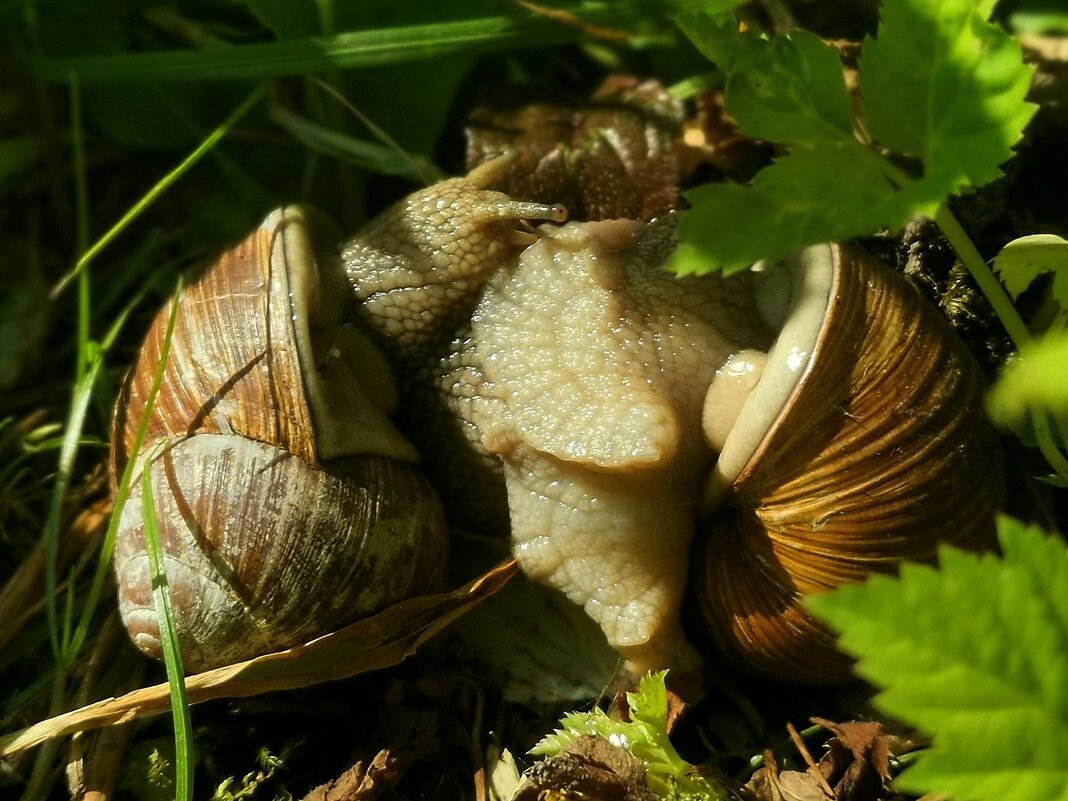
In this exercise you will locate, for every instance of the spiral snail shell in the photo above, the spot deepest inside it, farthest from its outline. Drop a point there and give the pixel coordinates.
(878, 451)
(288, 505)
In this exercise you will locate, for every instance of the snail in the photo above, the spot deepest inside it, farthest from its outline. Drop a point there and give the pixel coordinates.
(647, 440)
(288, 503)
(877, 450)
(810, 423)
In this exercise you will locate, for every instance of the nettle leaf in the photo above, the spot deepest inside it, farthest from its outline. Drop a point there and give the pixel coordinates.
(792, 91)
(1037, 378)
(649, 705)
(939, 83)
(1022, 260)
(819, 193)
(644, 735)
(717, 38)
(974, 653)
(942, 83)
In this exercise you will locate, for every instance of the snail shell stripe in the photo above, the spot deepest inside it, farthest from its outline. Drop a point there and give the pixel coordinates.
(881, 454)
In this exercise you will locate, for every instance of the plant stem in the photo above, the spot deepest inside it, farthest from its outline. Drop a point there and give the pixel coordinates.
(1041, 424)
(984, 278)
(1010, 318)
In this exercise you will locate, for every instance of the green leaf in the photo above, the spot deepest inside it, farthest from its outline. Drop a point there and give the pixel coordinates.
(1022, 260)
(793, 91)
(826, 192)
(718, 39)
(941, 83)
(975, 654)
(650, 704)
(646, 737)
(790, 90)
(1037, 378)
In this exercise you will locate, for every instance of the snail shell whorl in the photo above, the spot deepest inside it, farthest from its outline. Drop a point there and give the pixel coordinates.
(288, 504)
(881, 454)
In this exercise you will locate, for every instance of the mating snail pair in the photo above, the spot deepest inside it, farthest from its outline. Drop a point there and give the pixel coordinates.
(685, 457)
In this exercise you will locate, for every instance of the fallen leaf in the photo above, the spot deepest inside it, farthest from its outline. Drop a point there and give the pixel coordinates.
(377, 642)
(360, 783)
(588, 768)
(857, 762)
(771, 784)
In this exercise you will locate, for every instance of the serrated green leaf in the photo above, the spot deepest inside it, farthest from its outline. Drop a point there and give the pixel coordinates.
(579, 724)
(649, 704)
(1022, 260)
(1037, 378)
(976, 654)
(645, 737)
(826, 192)
(552, 744)
(717, 39)
(793, 92)
(941, 83)
(790, 89)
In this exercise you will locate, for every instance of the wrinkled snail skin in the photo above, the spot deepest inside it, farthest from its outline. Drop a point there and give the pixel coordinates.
(417, 271)
(593, 363)
(288, 505)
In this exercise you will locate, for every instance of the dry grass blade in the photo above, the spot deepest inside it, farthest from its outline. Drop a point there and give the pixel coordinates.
(383, 640)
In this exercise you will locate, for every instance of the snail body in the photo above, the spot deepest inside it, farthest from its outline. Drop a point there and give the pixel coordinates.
(832, 418)
(684, 457)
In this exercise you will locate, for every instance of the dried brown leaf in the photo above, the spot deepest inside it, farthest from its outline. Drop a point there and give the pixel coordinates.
(770, 784)
(380, 641)
(857, 762)
(361, 784)
(588, 768)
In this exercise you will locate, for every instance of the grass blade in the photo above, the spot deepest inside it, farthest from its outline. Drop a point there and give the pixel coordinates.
(160, 187)
(83, 391)
(172, 659)
(342, 51)
(122, 493)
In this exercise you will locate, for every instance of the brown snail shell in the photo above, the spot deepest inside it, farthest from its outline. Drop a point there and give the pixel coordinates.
(288, 504)
(880, 454)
